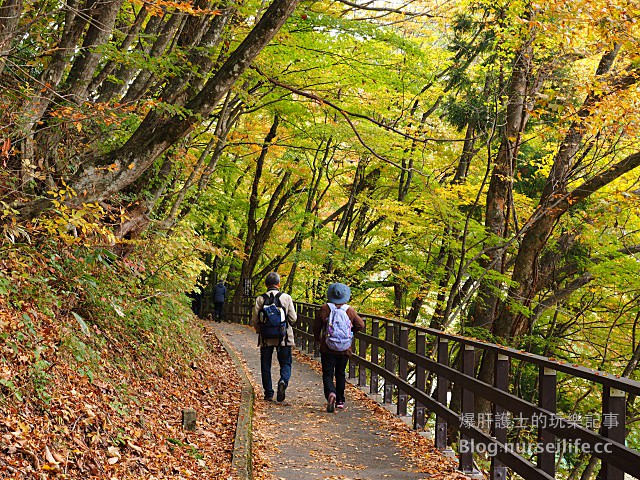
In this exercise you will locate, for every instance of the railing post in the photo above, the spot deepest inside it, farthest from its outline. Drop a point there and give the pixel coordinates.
(352, 362)
(303, 326)
(403, 371)
(499, 428)
(389, 364)
(309, 319)
(441, 394)
(375, 333)
(246, 315)
(613, 426)
(316, 344)
(234, 308)
(421, 381)
(547, 392)
(467, 415)
(362, 371)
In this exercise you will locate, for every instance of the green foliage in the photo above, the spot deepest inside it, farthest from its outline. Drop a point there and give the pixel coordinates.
(373, 112)
(78, 301)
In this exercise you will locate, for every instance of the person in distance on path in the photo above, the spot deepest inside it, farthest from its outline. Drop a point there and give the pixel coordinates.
(281, 345)
(219, 297)
(333, 328)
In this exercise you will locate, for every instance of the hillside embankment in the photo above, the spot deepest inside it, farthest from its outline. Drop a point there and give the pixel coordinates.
(99, 357)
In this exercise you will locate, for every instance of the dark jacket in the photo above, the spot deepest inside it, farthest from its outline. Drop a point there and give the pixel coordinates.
(219, 293)
(320, 326)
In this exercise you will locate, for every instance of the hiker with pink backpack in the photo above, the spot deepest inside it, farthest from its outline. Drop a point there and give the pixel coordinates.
(334, 326)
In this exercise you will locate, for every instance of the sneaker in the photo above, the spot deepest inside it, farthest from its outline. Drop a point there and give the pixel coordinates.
(281, 388)
(268, 398)
(331, 405)
(340, 405)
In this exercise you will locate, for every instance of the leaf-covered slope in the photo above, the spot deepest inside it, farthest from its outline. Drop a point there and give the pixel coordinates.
(93, 384)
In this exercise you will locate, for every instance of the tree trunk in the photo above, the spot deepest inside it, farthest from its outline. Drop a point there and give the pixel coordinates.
(111, 66)
(554, 203)
(33, 109)
(501, 182)
(94, 182)
(100, 27)
(109, 89)
(10, 11)
(202, 170)
(144, 78)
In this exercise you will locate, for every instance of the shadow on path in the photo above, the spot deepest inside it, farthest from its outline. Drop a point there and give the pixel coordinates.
(301, 441)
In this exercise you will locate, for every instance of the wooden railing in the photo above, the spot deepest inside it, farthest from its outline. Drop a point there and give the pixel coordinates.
(239, 312)
(409, 368)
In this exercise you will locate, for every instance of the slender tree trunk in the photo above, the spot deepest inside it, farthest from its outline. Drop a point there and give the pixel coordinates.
(126, 44)
(500, 185)
(318, 170)
(10, 11)
(144, 78)
(33, 109)
(251, 246)
(100, 27)
(108, 89)
(203, 169)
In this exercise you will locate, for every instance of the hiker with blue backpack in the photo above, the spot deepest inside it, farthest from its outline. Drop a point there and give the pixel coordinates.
(334, 326)
(272, 318)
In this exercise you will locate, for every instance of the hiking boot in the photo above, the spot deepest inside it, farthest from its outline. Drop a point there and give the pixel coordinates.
(331, 403)
(340, 405)
(268, 398)
(281, 388)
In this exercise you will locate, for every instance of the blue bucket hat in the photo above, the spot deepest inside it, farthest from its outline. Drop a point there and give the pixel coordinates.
(338, 293)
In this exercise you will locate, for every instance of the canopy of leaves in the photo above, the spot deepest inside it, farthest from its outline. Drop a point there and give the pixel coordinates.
(470, 166)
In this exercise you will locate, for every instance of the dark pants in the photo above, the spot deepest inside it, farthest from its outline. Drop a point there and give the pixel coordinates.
(218, 311)
(334, 365)
(284, 359)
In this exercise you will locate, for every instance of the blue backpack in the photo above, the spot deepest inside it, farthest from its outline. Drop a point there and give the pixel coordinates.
(273, 321)
(339, 335)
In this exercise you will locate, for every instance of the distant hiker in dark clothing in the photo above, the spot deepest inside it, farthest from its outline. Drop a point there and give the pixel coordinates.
(196, 302)
(333, 328)
(273, 316)
(219, 297)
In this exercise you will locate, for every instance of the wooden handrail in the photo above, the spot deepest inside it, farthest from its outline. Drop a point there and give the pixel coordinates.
(382, 351)
(597, 376)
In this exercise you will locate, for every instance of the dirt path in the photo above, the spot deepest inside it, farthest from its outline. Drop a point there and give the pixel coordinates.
(299, 440)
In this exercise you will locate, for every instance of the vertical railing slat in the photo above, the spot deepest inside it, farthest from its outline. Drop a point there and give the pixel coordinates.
(421, 380)
(403, 371)
(309, 315)
(613, 426)
(547, 387)
(499, 423)
(362, 371)
(303, 324)
(467, 413)
(389, 364)
(352, 361)
(441, 394)
(375, 333)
